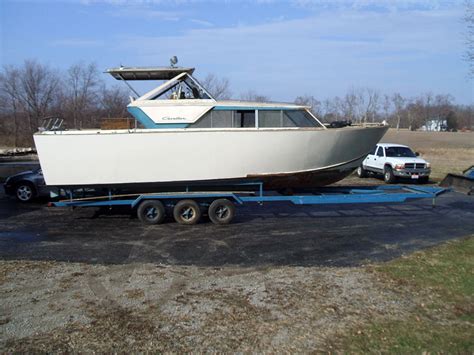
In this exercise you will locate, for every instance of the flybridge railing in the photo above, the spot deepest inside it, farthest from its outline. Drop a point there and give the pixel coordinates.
(52, 124)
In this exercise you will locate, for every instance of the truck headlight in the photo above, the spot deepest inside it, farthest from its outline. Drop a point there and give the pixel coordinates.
(428, 165)
(399, 166)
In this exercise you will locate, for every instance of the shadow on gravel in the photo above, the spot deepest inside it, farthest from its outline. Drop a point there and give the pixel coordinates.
(283, 234)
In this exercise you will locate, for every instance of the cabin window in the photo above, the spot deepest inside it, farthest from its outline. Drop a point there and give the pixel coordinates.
(295, 118)
(204, 122)
(221, 119)
(299, 118)
(215, 119)
(270, 118)
(244, 119)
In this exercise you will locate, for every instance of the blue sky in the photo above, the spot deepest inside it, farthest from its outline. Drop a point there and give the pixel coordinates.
(281, 49)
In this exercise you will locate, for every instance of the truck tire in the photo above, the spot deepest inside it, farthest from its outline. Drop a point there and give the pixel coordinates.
(361, 172)
(151, 212)
(221, 211)
(388, 176)
(187, 212)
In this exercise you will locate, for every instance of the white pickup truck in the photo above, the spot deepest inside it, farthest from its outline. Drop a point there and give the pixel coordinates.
(395, 161)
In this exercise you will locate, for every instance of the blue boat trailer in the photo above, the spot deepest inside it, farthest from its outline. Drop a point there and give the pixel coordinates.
(188, 206)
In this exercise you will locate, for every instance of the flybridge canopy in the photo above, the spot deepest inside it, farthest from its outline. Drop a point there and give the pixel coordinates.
(149, 73)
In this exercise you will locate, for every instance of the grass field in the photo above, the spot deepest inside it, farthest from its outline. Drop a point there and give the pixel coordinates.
(441, 281)
(448, 152)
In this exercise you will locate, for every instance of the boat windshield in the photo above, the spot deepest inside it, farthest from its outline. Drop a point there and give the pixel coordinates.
(399, 152)
(185, 87)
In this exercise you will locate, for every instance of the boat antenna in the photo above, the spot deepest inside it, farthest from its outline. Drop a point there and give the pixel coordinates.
(173, 61)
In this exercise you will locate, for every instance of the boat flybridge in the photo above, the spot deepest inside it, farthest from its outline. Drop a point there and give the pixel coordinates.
(188, 136)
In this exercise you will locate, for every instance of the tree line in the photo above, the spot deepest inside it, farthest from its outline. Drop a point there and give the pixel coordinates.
(362, 105)
(34, 91)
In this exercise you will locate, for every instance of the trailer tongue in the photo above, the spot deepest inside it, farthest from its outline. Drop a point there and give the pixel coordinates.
(187, 206)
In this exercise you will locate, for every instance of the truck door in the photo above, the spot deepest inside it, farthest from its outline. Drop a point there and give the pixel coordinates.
(379, 159)
(369, 160)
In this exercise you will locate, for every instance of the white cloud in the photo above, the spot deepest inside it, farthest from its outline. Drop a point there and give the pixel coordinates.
(330, 50)
(202, 22)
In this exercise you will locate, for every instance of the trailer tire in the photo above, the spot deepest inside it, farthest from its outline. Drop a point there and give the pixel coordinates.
(151, 212)
(187, 212)
(221, 211)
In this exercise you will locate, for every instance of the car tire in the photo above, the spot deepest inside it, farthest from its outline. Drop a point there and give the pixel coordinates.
(187, 212)
(388, 175)
(221, 211)
(361, 172)
(151, 212)
(25, 192)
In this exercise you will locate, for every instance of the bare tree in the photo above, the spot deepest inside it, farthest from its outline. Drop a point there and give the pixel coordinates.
(469, 20)
(251, 95)
(332, 109)
(417, 110)
(219, 88)
(80, 92)
(350, 105)
(398, 103)
(9, 93)
(39, 88)
(113, 101)
(313, 103)
(369, 99)
(387, 105)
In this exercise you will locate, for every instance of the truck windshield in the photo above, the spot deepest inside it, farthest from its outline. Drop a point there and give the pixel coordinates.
(399, 152)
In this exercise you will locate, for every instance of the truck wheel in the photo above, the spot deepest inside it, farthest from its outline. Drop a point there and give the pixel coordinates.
(388, 176)
(151, 212)
(221, 211)
(361, 172)
(187, 212)
(25, 192)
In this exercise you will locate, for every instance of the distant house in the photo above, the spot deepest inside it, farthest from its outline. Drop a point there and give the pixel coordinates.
(435, 125)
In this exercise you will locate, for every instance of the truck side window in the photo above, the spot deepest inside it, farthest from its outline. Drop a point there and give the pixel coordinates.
(380, 152)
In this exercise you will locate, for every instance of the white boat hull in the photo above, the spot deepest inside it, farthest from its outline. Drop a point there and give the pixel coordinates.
(279, 157)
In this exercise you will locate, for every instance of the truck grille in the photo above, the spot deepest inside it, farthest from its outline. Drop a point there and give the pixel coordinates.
(414, 166)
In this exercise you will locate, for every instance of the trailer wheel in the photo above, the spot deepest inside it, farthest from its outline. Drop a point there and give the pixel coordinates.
(221, 211)
(187, 212)
(151, 212)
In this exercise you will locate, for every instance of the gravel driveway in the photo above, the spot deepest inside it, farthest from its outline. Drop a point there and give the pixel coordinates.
(286, 278)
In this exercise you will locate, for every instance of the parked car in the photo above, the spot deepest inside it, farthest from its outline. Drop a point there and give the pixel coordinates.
(26, 186)
(395, 161)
